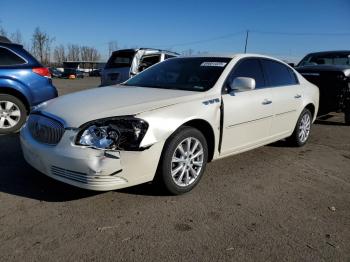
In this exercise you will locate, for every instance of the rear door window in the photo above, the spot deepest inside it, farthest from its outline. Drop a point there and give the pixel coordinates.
(9, 58)
(278, 74)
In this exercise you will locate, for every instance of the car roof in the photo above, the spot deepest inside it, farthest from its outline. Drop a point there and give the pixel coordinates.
(4, 41)
(331, 52)
(231, 55)
(145, 48)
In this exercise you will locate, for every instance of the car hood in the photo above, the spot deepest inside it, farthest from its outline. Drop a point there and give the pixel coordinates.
(78, 108)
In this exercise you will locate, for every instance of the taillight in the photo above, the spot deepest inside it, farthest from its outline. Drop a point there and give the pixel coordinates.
(43, 71)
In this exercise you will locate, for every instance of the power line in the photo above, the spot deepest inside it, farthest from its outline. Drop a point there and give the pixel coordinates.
(300, 33)
(238, 33)
(207, 40)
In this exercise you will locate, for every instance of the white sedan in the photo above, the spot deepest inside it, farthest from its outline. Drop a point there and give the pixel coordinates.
(166, 123)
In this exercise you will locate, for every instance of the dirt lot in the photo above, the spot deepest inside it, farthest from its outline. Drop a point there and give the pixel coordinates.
(275, 203)
(65, 86)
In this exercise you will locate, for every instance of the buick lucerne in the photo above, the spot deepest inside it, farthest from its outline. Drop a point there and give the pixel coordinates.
(166, 123)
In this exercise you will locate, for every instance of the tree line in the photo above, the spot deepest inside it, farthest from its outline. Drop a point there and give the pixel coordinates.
(41, 45)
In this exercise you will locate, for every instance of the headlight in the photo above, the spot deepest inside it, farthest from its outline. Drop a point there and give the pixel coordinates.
(116, 133)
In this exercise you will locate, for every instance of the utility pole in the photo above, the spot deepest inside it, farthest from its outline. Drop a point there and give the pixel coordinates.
(246, 41)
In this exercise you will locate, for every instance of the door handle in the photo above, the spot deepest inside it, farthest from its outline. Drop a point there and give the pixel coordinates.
(266, 102)
(297, 96)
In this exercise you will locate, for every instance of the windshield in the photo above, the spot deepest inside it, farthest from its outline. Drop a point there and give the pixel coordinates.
(327, 59)
(192, 74)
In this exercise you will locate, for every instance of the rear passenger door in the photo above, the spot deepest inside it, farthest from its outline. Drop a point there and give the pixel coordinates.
(287, 94)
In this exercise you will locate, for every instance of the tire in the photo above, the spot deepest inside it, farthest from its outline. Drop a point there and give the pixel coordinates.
(13, 114)
(189, 172)
(303, 126)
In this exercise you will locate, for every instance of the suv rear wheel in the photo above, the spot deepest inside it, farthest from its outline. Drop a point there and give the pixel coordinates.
(13, 114)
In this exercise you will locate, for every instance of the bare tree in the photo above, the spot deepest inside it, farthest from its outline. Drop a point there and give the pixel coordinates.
(3, 31)
(112, 46)
(16, 37)
(73, 52)
(59, 54)
(41, 46)
(89, 54)
(188, 52)
(85, 53)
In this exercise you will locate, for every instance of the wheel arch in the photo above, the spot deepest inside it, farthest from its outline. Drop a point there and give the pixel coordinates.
(17, 94)
(311, 107)
(207, 130)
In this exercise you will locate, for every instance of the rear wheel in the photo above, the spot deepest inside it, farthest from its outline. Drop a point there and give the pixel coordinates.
(183, 161)
(302, 129)
(13, 114)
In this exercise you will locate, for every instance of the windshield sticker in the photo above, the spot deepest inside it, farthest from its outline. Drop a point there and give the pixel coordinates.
(217, 64)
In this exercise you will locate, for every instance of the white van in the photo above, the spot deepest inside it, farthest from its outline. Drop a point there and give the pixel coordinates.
(126, 63)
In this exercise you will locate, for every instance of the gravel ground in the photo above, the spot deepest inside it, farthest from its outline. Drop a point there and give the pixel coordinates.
(65, 86)
(274, 203)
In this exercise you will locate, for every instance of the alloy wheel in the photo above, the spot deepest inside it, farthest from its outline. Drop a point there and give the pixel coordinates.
(304, 128)
(187, 162)
(10, 114)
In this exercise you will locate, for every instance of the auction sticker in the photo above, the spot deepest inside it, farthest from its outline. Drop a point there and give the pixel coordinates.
(217, 64)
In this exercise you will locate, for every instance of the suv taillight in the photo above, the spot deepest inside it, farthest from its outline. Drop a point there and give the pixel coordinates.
(43, 71)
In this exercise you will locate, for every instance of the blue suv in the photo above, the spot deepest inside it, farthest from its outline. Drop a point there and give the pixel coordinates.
(24, 83)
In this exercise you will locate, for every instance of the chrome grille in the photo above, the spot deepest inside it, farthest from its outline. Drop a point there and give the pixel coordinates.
(97, 180)
(45, 130)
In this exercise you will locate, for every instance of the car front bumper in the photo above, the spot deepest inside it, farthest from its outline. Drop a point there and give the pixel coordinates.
(90, 168)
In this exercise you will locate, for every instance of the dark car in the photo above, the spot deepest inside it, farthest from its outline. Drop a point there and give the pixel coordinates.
(55, 72)
(24, 83)
(72, 73)
(330, 71)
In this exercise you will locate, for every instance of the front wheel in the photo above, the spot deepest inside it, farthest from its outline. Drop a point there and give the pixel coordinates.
(183, 161)
(13, 114)
(302, 129)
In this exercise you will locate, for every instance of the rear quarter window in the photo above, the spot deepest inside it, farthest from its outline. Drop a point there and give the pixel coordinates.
(9, 58)
(166, 56)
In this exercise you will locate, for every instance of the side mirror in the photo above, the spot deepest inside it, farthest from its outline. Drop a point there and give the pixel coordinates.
(242, 84)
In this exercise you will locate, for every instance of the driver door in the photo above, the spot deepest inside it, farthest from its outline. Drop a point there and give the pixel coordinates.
(247, 114)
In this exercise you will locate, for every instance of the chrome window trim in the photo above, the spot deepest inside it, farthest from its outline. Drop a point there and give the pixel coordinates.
(25, 60)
